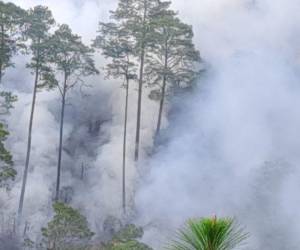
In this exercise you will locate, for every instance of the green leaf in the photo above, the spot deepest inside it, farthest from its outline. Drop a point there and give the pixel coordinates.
(209, 234)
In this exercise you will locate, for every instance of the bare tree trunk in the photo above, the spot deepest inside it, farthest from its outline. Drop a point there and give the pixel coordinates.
(124, 147)
(0, 71)
(139, 107)
(140, 91)
(2, 52)
(21, 202)
(63, 104)
(82, 172)
(161, 105)
(163, 92)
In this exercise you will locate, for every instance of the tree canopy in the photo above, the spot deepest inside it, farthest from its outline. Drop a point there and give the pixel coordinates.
(67, 230)
(12, 24)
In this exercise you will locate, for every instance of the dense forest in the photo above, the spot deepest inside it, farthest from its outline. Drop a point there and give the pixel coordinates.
(130, 138)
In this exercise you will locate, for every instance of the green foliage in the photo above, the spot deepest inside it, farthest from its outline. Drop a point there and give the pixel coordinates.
(209, 234)
(70, 55)
(173, 56)
(67, 230)
(39, 22)
(28, 244)
(7, 172)
(4, 156)
(129, 232)
(132, 31)
(128, 245)
(116, 44)
(133, 20)
(137, 15)
(126, 239)
(6, 101)
(11, 33)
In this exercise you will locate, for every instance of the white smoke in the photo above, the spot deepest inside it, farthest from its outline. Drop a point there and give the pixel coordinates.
(233, 148)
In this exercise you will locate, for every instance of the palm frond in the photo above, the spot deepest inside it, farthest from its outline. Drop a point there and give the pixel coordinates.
(209, 234)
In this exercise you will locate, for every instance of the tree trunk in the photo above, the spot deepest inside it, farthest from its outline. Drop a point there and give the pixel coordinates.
(63, 104)
(139, 108)
(24, 181)
(2, 52)
(161, 105)
(139, 105)
(0, 71)
(124, 148)
(163, 92)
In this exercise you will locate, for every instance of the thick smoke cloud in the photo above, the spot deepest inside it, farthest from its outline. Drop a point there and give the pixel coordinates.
(233, 147)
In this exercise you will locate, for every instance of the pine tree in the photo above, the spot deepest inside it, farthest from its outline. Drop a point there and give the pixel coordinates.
(116, 44)
(11, 34)
(74, 60)
(67, 230)
(127, 239)
(173, 58)
(39, 22)
(137, 17)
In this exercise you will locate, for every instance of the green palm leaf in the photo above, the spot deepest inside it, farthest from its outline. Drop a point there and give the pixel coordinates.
(209, 234)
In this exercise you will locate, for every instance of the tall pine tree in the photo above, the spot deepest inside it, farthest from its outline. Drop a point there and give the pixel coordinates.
(173, 58)
(137, 17)
(116, 44)
(39, 22)
(74, 61)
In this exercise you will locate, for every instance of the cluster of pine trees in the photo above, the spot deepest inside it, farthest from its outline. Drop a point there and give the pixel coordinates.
(58, 59)
(145, 43)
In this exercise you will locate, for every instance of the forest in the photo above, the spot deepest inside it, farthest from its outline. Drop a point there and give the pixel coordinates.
(149, 124)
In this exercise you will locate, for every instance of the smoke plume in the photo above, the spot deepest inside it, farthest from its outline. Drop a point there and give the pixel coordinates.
(232, 147)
